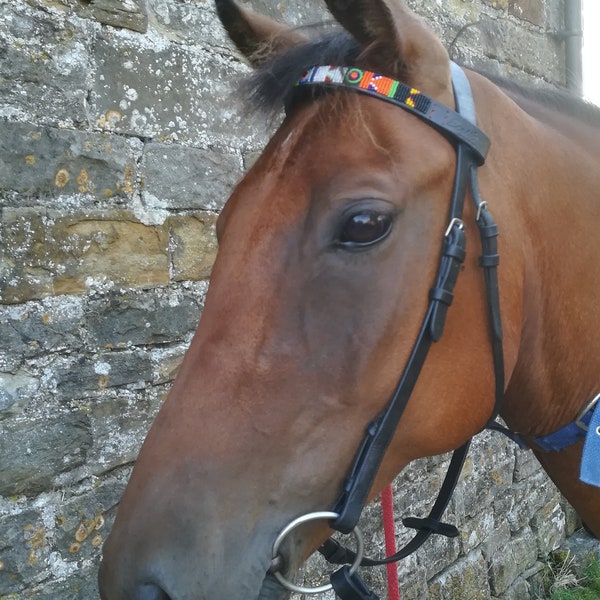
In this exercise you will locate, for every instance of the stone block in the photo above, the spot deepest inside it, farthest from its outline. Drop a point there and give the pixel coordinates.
(437, 554)
(529, 10)
(120, 424)
(548, 524)
(23, 544)
(180, 178)
(526, 465)
(131, 14)
(518, 590)
(148, 87)
(45, 71)
(15, 390)
(496, 539)
(518, 509)
(465, 579)
(38, 161)
(142, 318)
(32, 329)
(480, 530)
(35, 451)
(166, 364)
(47, 253)
(193, 245)
(106, 370)
(59, 538)
(518, 554)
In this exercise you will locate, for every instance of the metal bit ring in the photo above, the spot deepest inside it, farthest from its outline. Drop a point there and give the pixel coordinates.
(314, 516)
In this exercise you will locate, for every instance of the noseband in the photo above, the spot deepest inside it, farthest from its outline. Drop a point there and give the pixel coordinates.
(471, 145)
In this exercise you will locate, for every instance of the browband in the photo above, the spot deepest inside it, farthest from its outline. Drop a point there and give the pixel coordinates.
(436, 114)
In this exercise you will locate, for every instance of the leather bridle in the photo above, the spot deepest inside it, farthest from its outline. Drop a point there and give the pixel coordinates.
(471, 146)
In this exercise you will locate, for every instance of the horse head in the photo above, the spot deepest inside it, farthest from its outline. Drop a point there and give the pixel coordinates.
(328, 248)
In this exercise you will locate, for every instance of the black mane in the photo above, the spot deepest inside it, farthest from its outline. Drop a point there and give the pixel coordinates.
(269, 86)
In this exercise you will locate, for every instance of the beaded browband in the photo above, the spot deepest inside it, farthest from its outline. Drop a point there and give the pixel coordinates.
(438, 115)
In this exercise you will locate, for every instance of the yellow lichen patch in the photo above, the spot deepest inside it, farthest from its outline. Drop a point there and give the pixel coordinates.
(97, 541)
(36, 541)
(85, 529)
(113, 117)
(83, 182)
(46, 318)
(62, 178)
(30, 159)
(74, 547)
(127, 184)
(103, 382)
(99, 522)
(109, 119)
(1, 565)
(107, 192)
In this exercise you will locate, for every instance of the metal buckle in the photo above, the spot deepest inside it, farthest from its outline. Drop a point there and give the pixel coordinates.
(314, 516)
(584, 411)
(480, 207)
(455, 221)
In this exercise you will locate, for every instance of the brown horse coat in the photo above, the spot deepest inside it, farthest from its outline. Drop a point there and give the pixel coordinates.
(302, 338)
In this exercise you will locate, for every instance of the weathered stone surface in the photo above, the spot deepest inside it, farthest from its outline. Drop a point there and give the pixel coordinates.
(176, 177)
(120, 425)
(109, 369)
(34, 329)
(49, 254)
(45, 66)
(122, 320)
(58, 540)
(466, 579)
(40, 161)
(194, 245)
(15, 389)
(530, 10)
(549, 526)
(517, 554)
(35, 452)
(131, 14)
(152, 88)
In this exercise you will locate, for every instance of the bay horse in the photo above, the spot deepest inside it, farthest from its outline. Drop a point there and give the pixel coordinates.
(328, 249)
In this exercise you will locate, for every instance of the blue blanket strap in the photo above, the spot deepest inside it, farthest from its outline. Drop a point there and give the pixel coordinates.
(586, 425)
(567, 435)
(590, 458)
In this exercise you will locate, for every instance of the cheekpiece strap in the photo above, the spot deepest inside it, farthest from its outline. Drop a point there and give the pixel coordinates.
(436, 114)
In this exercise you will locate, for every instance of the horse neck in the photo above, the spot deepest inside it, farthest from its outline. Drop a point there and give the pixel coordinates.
(551, 217)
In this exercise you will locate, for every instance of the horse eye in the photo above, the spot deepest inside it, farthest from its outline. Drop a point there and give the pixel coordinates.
(365, 228)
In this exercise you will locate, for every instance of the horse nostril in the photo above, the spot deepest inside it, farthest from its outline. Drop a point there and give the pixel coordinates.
(149, 591)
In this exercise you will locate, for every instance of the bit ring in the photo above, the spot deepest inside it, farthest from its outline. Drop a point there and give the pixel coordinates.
(314, 516)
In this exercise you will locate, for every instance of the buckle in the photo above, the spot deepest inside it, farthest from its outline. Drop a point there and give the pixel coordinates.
(584, 411)
(455, 222)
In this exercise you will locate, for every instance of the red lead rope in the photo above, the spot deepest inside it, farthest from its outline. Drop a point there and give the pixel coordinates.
(389, 530)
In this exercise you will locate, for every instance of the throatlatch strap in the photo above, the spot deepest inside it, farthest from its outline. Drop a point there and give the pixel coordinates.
(337, 554)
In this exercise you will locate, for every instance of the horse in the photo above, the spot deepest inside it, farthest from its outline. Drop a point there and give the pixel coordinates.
(328, 250)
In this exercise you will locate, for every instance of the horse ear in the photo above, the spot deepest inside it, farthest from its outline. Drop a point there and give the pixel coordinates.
(397, 42)
(257, 37)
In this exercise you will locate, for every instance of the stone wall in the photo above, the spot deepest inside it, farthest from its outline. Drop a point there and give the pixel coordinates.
(119, 143)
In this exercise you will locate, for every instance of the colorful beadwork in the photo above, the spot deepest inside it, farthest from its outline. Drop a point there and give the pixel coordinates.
(367, 80)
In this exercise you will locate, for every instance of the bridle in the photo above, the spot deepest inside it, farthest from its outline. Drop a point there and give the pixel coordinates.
(471, 146)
